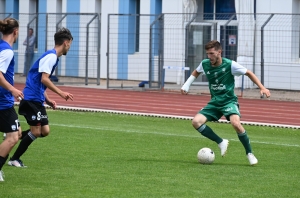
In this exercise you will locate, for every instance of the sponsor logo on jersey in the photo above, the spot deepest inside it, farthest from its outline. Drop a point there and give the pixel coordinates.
(33, 117)
(218, 87)
(208, 72)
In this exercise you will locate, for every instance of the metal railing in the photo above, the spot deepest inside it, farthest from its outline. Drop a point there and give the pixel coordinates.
(82, 63)
(267, 44)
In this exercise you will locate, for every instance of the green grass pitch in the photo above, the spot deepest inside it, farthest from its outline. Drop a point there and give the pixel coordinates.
(110, 155)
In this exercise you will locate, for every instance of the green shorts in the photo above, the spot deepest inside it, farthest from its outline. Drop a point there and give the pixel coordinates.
(214, 113)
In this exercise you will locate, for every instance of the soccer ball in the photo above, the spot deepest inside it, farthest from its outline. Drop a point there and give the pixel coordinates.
(206, 156)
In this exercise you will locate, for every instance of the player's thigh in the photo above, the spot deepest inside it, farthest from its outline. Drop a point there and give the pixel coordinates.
(211, 112)
(231, 109)
(13, 136)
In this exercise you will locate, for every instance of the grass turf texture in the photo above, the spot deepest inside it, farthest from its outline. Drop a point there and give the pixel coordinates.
(109, 155)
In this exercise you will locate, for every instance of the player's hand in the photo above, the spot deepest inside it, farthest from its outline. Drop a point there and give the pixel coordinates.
(51, 103)
(185, 89)
(265, 92)
(67, 96)
(18, 94)
(184, 92)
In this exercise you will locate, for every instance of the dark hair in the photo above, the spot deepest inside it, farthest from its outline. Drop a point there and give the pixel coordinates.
(8, 25)
(61, 35)
(213, 44)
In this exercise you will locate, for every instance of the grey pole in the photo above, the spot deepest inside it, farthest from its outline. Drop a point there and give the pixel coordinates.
(87, 49)
(262, 64)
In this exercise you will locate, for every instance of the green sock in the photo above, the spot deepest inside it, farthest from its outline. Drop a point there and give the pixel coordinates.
(206, 131)
(245, 141)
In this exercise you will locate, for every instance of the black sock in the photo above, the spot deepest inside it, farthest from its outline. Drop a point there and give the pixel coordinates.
(24, 133)
(2, 161)
(23, 146)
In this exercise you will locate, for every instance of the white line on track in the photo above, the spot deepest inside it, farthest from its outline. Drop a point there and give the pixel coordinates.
(171, 116)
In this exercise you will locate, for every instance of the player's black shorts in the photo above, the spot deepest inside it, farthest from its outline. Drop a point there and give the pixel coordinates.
(9, 120)
(34, 113)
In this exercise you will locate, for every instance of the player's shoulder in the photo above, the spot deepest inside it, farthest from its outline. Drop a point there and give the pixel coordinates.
(205, 62)
(51, 51)
(4, 46)
(49, 54)
(6, 53)
(226, 60)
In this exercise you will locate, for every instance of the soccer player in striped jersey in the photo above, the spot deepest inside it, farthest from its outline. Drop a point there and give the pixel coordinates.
(37, 81)
(220, 73)
(9, 122)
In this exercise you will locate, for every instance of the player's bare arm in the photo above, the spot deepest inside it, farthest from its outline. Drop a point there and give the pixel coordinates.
(15, 92)
(47, 82)
(49, 102)
(185, 88)
(263, 90)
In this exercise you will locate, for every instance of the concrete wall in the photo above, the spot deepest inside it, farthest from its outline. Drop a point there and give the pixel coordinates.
(135, 61)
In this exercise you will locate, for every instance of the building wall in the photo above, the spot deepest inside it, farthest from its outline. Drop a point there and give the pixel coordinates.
(274, 6)
(132, 61)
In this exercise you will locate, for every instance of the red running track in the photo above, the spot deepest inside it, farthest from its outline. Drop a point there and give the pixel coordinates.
(252, 110)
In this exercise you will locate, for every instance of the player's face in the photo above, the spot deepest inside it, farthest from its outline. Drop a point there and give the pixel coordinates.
(214, 56)
(67, 45)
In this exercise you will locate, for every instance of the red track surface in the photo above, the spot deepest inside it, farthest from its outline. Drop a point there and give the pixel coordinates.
(252, 110)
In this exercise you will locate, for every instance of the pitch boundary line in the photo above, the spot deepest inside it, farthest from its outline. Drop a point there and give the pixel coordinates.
(160, 133)
(170, 116)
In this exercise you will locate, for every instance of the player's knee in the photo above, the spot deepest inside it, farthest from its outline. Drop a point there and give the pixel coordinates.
(12, 140)
(196, 123)
(45, 133)
(236, 125)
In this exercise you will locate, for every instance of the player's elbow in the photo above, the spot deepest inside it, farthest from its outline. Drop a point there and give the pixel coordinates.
(44, 80)
(249, 73)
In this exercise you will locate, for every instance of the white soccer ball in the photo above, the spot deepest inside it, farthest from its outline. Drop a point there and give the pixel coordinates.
(206, 156)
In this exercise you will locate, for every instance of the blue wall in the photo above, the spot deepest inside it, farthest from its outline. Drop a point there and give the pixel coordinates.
(42, 27)
(155, 8)
(126, 37)
(127, 32)
(12, 6)
(72, 58)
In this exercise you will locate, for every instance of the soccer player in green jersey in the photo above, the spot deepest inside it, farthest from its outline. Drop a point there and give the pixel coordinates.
(220, 73)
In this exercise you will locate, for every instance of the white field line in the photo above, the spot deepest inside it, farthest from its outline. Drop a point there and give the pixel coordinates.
(168, 116)
(160, 133)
